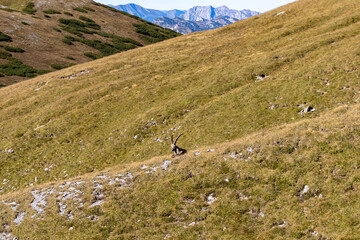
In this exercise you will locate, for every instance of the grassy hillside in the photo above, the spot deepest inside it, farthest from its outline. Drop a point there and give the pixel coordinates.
(296, 181)
(275, 171)
(73, 32)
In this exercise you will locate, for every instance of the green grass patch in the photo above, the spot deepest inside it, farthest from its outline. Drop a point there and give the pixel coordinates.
(67, 41)
(51, 11)
(5, 55)
(80, 10)
(119, 39)
(91, 55)
(47, 16)
(152, 33)
(89, 9)
(59, 66)
(86, 19)
(8, 10)
(17, 68)
(105, 48)
(5, 38)
(77, 27)
(24, 23)
(13, 49)
(69, 14)
(29, 8)
(41, 72)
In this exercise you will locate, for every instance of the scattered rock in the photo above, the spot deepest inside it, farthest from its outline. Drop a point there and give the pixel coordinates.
(75, 75)
(158, 140)
(280, 13)
(315, 233)
(7, 236)
(10, 151)
(41, 86)
(282, 225)
(196, 154)
(211, 150)
(250, 149)
(102, 176)
(165, 166)
(274, 106)
(39, 203)
(305, 190)
(242, 196)
(210, 199)
(19, 218)
(13, 205)
(261, 77)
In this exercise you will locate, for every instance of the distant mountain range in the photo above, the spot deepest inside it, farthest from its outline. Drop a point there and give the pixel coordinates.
(199, 18)
(185, 27)
(147, 14)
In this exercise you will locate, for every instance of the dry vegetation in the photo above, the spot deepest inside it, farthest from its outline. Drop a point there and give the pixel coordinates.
(271, 173)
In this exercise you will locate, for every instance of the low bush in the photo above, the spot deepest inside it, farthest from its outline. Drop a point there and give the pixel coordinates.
(89, 9)
(59, 67)
(41, 72)
(93, 25)
(91, 55)
(105, 48)
(152, 33)
(74, 26)
(69, 14)
(70, 58)
(121, 43)
(8, 10)
(47, 16)
(5, 38)
(24, 23)
(29, 8)
(51, 11)
(17, 68)
(80, 10)
(5, 55)
(67, 41)
(13, 49)
(86, 19)
(56, 29)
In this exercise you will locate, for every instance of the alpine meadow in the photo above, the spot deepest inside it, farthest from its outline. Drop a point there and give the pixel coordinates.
(269, 112)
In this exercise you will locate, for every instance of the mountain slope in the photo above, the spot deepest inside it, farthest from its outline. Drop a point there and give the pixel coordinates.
(268, 166)
(74, 32)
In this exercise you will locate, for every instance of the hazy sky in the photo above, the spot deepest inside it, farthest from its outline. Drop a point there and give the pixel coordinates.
(256, 5)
